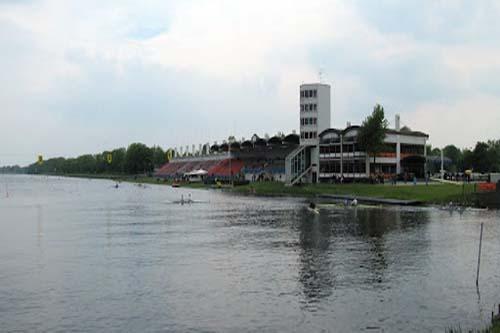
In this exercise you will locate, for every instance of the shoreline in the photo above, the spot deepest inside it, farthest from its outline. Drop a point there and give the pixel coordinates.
(401, 194)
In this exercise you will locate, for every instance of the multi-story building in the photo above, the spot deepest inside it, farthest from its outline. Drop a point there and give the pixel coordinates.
(326, 154)
(314, 112)
(318, 154)
(340, 155)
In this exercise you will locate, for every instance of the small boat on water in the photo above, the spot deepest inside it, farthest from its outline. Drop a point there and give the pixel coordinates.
(312, 208)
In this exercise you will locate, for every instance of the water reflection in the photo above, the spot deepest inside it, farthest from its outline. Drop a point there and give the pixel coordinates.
(39, 231)
(316, 274)
(355, 247)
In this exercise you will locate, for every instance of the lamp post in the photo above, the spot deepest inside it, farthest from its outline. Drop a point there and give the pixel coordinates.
(442, 164)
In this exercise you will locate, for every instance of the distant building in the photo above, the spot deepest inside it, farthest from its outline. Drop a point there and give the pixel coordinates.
(327, 154)
(318, 154)
(341, 156)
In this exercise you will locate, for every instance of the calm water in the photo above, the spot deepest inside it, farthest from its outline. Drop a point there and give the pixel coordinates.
(80, 255)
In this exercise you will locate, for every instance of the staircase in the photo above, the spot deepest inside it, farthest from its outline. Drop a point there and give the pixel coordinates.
(297, 165)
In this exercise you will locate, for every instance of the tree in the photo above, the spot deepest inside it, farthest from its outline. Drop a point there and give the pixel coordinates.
(435, 152)
(481, 161)
(372, 132)
(494, 155)
(468, 159)
(455, 155)
(118, 162)
(86, 163)
(159, 156)
(138, 159)
(428, 150)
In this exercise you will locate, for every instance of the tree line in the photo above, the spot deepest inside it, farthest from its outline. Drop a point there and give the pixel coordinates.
(483, 158)
(136, 159)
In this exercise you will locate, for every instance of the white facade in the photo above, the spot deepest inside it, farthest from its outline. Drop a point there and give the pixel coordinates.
(314, 112)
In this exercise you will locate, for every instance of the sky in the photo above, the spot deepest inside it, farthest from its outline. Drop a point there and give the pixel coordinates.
(85, 76)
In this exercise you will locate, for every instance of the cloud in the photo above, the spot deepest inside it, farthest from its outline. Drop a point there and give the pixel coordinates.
(461, 122)
(81, 77)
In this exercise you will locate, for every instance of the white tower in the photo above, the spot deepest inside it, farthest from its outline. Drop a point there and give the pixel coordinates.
(314, 112)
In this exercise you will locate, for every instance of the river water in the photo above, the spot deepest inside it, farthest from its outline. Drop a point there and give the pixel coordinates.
(81, 255)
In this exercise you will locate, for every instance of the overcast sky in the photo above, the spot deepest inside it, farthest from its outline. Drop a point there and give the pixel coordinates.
(84, 76)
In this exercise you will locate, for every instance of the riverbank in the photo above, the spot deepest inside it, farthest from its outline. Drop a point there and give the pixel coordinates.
(134, 179)
(434, 193)
(493, 328)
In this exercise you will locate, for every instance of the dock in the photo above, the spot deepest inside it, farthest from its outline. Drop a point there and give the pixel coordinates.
(371, 200)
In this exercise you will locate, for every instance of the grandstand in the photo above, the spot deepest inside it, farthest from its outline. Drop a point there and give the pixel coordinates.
(255, 159)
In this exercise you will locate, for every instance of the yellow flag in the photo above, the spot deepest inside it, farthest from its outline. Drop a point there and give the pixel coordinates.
(169, 154)
(40, 159)
(109, 158)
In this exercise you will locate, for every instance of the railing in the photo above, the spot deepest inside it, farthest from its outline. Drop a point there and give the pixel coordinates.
(297, 164)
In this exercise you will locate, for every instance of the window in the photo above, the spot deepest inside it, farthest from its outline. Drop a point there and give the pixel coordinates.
(306, 93)
(301, 107)
(306, 135)
(310, 93)
(314, 93)
(306, 122)
(307, 107)
(302, 121)
(314, 121)
(315, 106)
(302, 94)
(301, 135)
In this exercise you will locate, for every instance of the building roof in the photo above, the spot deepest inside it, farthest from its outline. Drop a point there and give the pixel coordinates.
(389, 131)
(411, 133)
(315, 84)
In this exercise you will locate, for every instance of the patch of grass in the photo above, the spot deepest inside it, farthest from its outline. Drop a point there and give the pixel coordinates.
(433, 193)
(494, 328)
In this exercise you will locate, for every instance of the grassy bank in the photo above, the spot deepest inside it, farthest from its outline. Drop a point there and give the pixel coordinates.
(433, 193)
(494, 328)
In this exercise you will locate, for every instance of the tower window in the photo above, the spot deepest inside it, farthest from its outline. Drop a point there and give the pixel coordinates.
(315, 106)
(302, 94)
(301, 107)
(315, 93)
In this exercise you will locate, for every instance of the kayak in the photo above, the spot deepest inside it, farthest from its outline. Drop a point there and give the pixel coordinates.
(313, 210)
